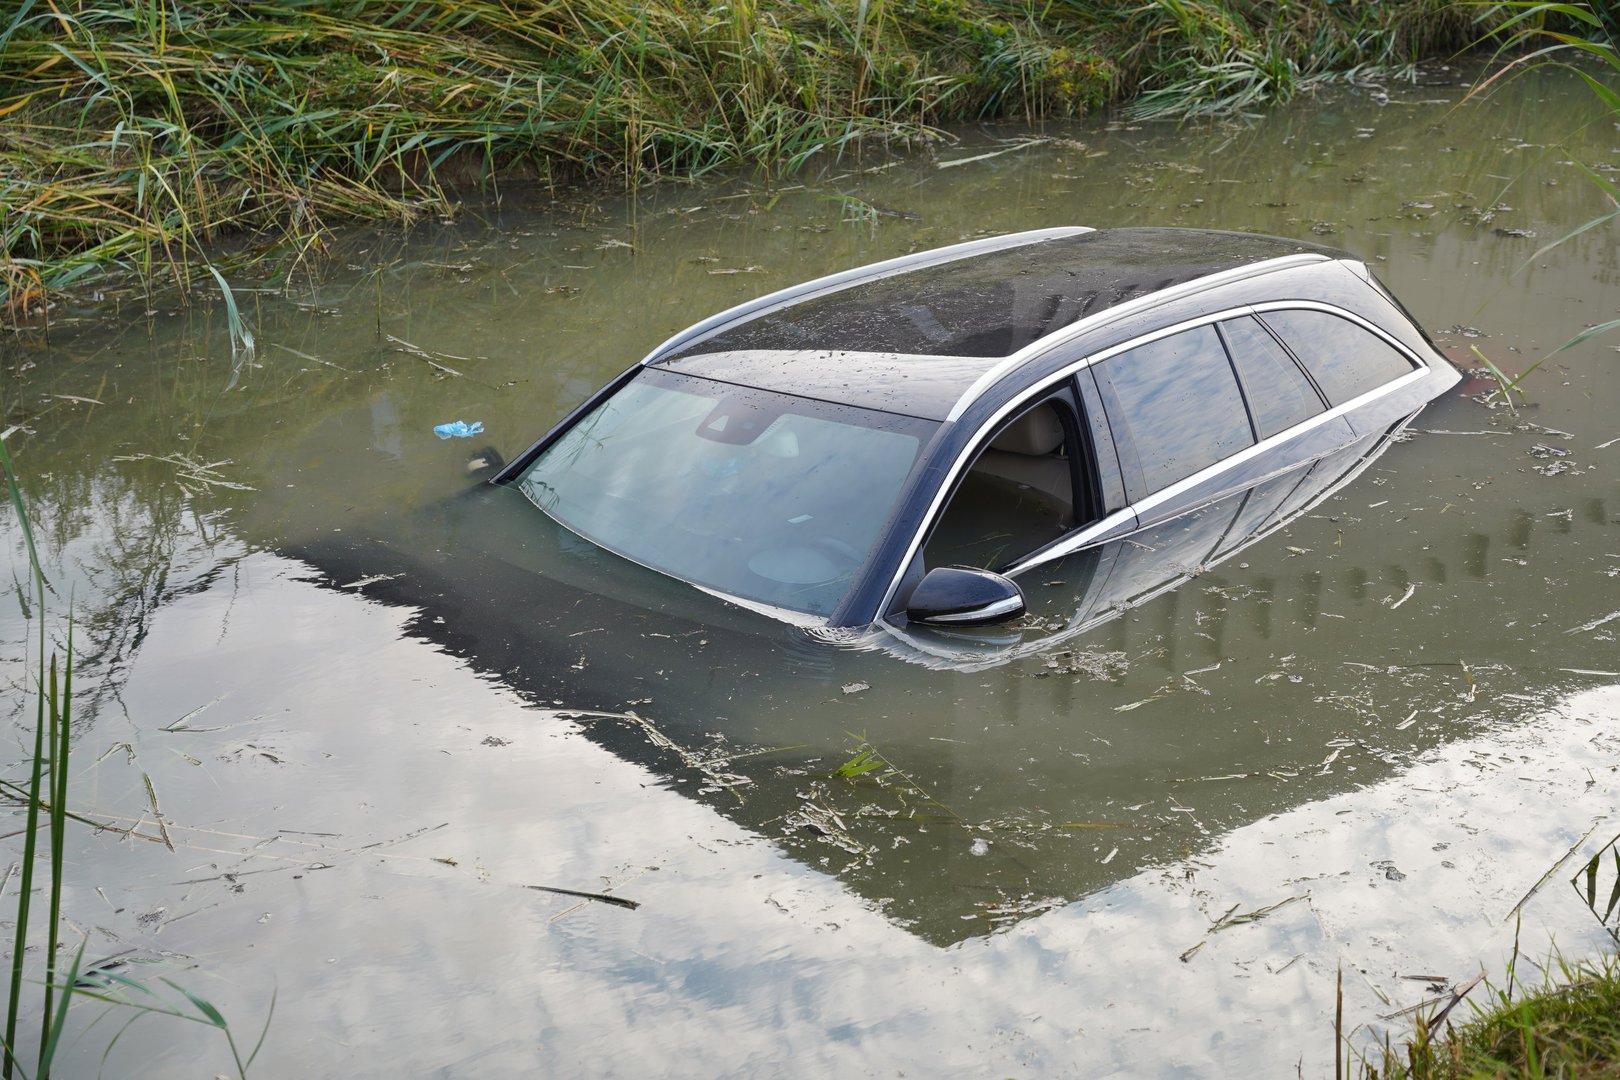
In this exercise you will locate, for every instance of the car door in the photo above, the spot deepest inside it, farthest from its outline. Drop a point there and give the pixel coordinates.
(1209, 410)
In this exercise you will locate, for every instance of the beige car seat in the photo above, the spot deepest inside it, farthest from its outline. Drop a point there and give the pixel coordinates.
(1026, 453)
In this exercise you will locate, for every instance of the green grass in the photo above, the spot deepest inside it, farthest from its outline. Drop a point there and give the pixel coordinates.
(1568, 1027)
(145, 140)
(1205, 59)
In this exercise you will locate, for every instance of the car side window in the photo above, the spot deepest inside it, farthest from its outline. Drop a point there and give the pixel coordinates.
(1346, 360)
(1178, 400)
(1278, 392)
(1018, 495)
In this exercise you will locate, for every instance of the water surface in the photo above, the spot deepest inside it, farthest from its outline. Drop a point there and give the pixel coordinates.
(369, 735)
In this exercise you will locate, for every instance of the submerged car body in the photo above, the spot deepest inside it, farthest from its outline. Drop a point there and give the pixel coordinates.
(897, 443)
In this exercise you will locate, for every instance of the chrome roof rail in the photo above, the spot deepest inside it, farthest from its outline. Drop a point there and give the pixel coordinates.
(752, 309)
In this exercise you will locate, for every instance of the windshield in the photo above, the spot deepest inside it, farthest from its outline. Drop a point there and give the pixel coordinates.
(762, 496)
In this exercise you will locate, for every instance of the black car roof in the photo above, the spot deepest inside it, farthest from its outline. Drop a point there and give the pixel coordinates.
(914, 339)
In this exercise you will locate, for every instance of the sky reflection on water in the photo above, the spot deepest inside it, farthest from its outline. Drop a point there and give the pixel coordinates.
(1407, 724)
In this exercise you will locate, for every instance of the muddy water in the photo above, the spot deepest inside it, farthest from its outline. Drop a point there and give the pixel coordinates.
(374, 735)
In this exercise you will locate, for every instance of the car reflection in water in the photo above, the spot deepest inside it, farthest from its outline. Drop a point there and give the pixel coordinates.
(985, 767)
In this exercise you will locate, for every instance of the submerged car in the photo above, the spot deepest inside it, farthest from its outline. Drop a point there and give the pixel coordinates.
(899, 444)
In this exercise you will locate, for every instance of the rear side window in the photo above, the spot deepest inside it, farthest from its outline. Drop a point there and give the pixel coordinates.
(1279, 394)
(1179, 400)
(1344, 359)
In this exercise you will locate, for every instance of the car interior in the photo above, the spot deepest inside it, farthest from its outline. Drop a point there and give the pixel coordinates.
(1019, 494)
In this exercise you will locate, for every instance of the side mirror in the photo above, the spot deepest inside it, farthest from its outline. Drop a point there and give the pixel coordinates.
(961, 596)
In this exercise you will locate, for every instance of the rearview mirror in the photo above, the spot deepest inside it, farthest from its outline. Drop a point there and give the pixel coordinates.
(963, 596)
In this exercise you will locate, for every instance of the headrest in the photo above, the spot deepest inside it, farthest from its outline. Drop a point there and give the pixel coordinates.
(1038, 432)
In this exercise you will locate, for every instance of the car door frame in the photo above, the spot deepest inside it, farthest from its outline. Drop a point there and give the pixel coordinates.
(1095, 451)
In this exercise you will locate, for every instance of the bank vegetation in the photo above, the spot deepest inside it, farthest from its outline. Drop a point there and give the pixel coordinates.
(1568, 1027)
(138, 136)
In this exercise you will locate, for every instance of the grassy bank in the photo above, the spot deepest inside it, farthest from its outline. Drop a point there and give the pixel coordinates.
(136, 135)
(1568, 1028)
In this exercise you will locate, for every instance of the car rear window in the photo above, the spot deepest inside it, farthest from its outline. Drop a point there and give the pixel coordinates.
(1346, 360)
(1180, 402)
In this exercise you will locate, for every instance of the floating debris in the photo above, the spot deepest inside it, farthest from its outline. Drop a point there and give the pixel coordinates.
(1391, 871)
(310, 358)
(370, 579)
(1101, 666)
(1229, 919)
(1006, 911)
(190, 469)
(604, 898)
(459, 429)
(1022, 144)
(817, 816)
(1551, 870)
(1594, 624)
(712, 766)
(434, 360)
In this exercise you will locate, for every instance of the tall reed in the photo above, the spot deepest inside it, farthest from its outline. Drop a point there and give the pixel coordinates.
(43, 801)
(139, 135)
(46, 794)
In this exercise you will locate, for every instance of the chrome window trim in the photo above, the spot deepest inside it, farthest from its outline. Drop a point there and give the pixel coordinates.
(1322, 496)
(957, 661)
(1081, 539)
(1144, 302)
(762, 305)
(1317, 305)
(1419, 371)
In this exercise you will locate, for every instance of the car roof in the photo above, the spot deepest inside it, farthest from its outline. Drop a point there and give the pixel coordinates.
(913, 335)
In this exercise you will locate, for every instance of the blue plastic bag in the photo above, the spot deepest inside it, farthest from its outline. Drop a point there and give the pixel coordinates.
(459, 429)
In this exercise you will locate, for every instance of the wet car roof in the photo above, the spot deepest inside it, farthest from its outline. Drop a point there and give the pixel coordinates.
(915, 340)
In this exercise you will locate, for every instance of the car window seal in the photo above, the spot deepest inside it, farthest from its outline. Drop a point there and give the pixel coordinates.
(1243, 389)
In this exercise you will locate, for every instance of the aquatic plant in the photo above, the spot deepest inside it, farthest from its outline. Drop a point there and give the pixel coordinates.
(1598, 885)
(1575, 37)
(46, 792)
(1559, 35)
(43, 805)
